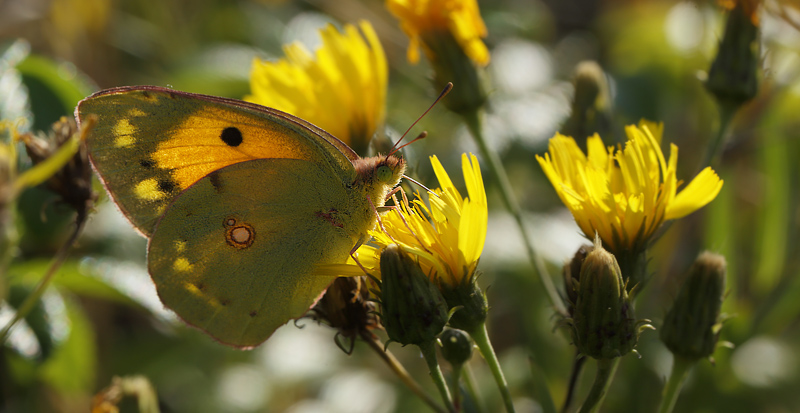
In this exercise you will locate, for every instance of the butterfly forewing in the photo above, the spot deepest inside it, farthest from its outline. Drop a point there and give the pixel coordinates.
(150, 144)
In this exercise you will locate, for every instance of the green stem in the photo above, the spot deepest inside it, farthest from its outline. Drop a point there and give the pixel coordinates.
(469, 383)
(400, 371)
(455, 383)
(481, 338)
(429, 353)
(680, 369)
(714, 149)
(58, 259)
(575, 373)
(473, 121)
(9, 241)
(602, 381)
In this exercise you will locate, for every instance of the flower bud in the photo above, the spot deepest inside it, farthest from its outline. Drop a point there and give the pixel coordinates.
(732, 78)
(456, 346)
(603, 324)
(572, 276)
(468, 300)
(451, 64)
(591, 105)
(691, 327)
(413, 309)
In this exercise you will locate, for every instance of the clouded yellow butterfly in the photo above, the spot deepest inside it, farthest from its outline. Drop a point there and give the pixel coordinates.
(239, 202)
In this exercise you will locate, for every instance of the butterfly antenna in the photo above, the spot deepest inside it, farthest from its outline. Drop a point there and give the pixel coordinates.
(447, 88)
(412, 180)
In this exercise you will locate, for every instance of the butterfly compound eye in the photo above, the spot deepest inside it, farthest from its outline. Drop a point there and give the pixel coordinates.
(384, 173)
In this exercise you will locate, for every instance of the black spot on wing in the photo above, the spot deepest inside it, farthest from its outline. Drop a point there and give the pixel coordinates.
(147, 163)
(231, 136)
(166, 185)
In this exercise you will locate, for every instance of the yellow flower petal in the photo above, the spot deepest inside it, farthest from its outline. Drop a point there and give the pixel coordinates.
(460, 18)
(624, 195)
(702, 190)
(446, 235)
(341, 88)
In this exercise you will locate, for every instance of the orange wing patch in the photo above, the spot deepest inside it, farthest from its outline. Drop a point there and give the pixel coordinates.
(211, 139)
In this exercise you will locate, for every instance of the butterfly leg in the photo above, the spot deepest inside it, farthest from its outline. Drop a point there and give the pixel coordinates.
(392, 192)
(380, 222)
(354, 256)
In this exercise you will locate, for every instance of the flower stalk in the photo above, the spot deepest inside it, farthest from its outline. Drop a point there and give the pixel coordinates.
(400, 371)
(429, 354)
(469, 385)
(713, 152)
(473, 122)
(606, 368)
(680, 370)
(481, 338)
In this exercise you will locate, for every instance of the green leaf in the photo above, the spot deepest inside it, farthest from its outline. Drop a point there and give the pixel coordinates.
(54, 88)
(71, 368)
(37, 318)
(71, 277)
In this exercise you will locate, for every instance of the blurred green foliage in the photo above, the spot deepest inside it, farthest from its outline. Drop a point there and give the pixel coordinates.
(101, 317)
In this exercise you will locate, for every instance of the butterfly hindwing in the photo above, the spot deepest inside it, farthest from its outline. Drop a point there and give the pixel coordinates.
(150, 144)
(235, 253)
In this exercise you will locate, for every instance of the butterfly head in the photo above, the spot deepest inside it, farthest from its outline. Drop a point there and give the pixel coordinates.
(379, 174)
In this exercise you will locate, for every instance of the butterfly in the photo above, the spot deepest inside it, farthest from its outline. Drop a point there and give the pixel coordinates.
(240, 202)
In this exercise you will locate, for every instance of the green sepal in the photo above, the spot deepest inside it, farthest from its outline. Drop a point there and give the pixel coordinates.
(413, 309)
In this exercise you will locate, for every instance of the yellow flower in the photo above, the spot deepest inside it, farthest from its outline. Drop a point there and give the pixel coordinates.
(341, 89)
(446, 235)
(461, 18)
(624, 195)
